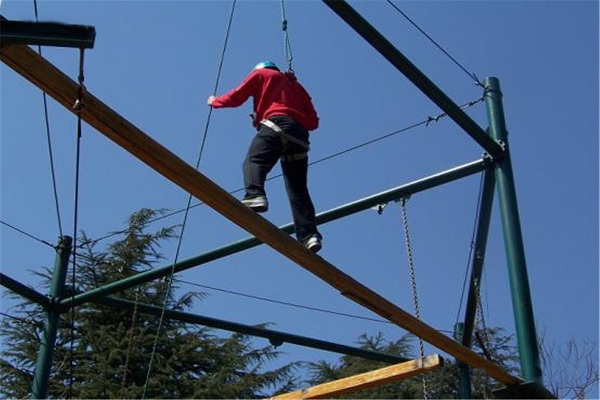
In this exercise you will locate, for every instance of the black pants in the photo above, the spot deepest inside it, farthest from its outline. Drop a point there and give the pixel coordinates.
(266, 148)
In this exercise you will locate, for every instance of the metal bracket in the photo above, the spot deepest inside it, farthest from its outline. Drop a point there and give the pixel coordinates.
(46, 34)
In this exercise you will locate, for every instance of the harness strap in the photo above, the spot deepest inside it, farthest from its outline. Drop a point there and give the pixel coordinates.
(270, 124)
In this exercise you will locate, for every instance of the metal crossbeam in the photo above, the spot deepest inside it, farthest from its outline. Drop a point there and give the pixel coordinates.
(275, 337)
(47, 34)
(248, 243)
(418, 78)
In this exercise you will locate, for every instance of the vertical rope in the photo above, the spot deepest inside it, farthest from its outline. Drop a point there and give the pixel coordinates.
(169, 280)
(49, 141)
(129, 345)
(77, 107)
(413, 282)
(472, 250)
(287, 47)
(482, 333)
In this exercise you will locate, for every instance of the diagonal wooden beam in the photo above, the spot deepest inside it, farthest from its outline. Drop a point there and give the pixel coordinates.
(367, 380)
(56, 84)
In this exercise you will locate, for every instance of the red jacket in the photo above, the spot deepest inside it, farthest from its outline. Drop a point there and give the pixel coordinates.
(274, 93)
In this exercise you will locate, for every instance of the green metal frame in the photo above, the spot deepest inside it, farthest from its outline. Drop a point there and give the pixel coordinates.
(44, 359)
(276, 338)
(496, 144)
(513, 240)
(245, 244)
(496, 162)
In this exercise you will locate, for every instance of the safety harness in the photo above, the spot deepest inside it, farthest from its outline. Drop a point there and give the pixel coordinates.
(285, 139)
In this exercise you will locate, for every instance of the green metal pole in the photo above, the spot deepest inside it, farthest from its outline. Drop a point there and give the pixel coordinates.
(44, 360)
(24, 291)
(464, 371)
(513, 240)
(328, 216)
(481, 235)
(275, 337)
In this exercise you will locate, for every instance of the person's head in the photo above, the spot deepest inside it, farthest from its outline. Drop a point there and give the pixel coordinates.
(266, 64)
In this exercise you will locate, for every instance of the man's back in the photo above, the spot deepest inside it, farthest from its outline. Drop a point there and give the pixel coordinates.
(274, 93)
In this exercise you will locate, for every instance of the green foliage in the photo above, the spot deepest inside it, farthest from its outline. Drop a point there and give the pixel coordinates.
(104, 352)
(439, 384)
(322, 372)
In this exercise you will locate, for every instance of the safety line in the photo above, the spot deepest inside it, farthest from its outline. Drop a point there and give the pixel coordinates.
(425, 122)
(20, 319)
(268, 300)
(472, 249)
(470, 74)
(26, 234)
(284, 303)
(188, 206)
(77, 107)
(48, 139)
(281, 302)
(287, 46)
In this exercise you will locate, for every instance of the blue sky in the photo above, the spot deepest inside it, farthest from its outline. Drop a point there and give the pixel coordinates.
(156, 62)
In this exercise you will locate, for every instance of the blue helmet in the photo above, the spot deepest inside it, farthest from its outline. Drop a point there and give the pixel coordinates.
(266, 64)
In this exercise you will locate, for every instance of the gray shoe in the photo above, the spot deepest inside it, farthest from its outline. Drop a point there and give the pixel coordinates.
(313, 243)
(257, 203)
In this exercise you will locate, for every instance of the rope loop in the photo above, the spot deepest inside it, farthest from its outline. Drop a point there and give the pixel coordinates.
(287, 47)
(81, 88)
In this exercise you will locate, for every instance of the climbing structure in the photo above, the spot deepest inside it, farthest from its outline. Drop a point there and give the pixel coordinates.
(495, 163)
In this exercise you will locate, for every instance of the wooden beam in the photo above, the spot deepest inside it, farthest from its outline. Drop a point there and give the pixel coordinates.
(367, 380)
(56, 84)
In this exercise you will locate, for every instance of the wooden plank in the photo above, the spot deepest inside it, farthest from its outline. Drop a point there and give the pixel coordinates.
(367, 380)
(56, 84)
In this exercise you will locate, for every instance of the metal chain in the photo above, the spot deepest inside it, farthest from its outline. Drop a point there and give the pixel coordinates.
(130, 343)
(413, 282)
(481, 321)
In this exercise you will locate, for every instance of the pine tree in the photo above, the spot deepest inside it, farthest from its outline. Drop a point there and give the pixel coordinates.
(322, 372)
(440, 384)
(104, 352)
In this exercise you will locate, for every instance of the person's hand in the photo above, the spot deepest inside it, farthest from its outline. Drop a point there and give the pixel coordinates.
(210, 100)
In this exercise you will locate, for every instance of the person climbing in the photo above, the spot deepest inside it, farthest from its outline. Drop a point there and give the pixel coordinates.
(283, 116)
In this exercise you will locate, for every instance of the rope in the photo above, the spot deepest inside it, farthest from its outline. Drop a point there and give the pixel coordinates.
(287, 47)
(49, 141)
(470, 74)
(268, 300)
(28, 321)
(188, 206)
(472, 249)
(413, 282)
(482, 334)
(26, 234)
(425, 122)
(77, 107)
(129, 345)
